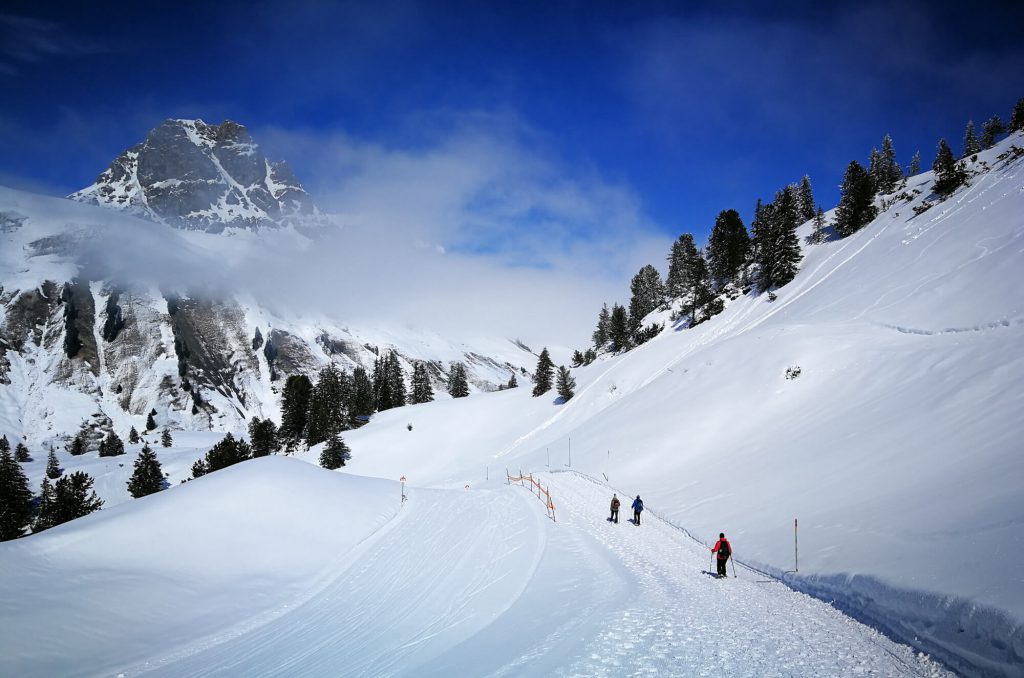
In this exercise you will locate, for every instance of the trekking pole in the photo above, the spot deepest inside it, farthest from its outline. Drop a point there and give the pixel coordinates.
(733, 560)
(712, 563)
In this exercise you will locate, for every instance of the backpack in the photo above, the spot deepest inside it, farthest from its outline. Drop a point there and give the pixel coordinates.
(615, 504)
(724, 550)
(638, 505)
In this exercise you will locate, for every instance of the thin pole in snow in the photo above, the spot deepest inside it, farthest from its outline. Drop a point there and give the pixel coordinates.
(569, 465)
(548, 450)
(796, 549)
(487, 473)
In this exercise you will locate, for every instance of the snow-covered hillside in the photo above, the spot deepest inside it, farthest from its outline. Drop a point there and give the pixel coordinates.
(203, 359)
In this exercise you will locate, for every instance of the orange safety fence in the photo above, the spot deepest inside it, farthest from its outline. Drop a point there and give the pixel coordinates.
(543, 493)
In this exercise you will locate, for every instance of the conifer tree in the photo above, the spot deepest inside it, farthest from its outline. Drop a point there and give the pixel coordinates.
(805, 197)
(111, 446)
(777, 248)
(566, 385)
(856, 206)
(693, 279)
(381, 385)
(295, 407)
(15, 498)
(45, 509)
(888, 172)
(991, 130)
(618, 328)
(674, 284)
(72, 342)
(165, 438)
(590, 356)
(262, 437)
(949, 174)
(728, 248)
(5, 445)
(577, 358)
(361, 397)
(227, 452)
(150, 421)
(647, 293)
(971, 143)
(1017, 117)
(73, 497)
(148, 476)
(78, 445)
(915, 165)
(133, 436)
(21, 453)
(601, 335)
(819, 235)
(335, 453)
(422, 390)
(326, 415)
(542, 377)
(512, 383)
(396, 380)
(458, 384)
(875, 169)
(53, 469)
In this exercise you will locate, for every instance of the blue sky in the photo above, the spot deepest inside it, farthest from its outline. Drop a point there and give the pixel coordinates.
(589, 121)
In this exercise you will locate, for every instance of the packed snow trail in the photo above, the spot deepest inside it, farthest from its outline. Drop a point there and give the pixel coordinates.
(480, 582)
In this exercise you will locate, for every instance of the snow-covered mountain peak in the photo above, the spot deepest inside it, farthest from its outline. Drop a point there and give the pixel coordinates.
(193, 175)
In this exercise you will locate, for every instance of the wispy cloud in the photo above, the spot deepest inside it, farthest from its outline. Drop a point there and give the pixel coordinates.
(28, 40)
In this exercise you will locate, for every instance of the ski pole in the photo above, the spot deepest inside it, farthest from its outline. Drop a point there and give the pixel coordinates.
(712, 564)
(733, 560)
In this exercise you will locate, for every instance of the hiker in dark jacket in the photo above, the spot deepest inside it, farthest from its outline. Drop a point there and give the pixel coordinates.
(724, 550)
(638, 507)
(615, 509)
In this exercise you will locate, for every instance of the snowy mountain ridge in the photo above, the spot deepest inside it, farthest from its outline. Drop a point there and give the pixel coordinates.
(189, 174)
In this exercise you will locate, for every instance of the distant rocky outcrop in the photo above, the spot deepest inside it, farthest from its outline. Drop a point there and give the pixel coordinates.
(192, 175)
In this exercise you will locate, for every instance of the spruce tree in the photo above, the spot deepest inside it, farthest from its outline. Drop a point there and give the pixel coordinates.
(458, 383)
(133, 436)
(566, 383)
(819, 234)
(601, 335)
(856, 206)
(512, 383)
(150, 421)
(111, 446)
(618, 328)
(361, 396)
(674, 283)
(1017, 117)
(73, 497)
(915, 165)
(777, 248)
(648, 292)
(949, 174)
(15, 498)
(422, 390)
(396, 380)
(693, 279)
(335, 453)
(971, 143)
(728, 248)
(165, 438)
(381, 385)
(45, 508)
(227, 452)
(326, 415)
(5, 445)
(262, 437)
(148, 476)
(577, 358)
(78, 445)
(991, 130)
(53, 469)
(590, 356)
(805, 196)
(295, 407)
(887, 174)
(542, 377)
(21, 453)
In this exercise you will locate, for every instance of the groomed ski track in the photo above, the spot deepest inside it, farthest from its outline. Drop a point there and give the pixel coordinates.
(480, 582)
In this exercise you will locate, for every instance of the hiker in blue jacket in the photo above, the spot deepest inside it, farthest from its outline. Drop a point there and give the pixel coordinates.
(638, 506)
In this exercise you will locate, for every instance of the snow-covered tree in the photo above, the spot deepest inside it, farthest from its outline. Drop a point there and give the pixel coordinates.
(73, 497)
(566, 385)
(885, 170)
(133, 436)
(422, 390)
(819, 234)
(805, 199)
(1017, 117)
(601, 335)
(263, 437)
(150, 421)
(227, 452)
(728, 248)
(915, 165)
(458, 383)
(77, 445)
(53, 469)
(44, 509)
(991, 130)
(512, 383)
(111, 446)
(776, 246)
(295, 407)
(166, 440)
(971, 143)
(15, 498)
(856, 205)
(647, 294)
(148, 476)
(21, 453)
(949, 174)
(542, 377)
(618, 328)
(335, 453)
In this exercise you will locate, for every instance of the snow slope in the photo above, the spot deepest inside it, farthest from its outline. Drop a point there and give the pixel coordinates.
(897, 447)
(274, 567)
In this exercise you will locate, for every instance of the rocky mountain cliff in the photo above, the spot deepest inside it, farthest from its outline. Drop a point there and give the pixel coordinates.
(192, 175)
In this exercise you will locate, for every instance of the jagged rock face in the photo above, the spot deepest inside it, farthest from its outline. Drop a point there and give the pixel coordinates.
(192, 175)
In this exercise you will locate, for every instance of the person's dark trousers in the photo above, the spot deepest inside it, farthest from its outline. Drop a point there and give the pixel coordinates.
(615, 515)
(636, 517)
(721, 567)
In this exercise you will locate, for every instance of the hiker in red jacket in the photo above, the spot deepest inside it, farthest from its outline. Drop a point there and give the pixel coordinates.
(724, 550)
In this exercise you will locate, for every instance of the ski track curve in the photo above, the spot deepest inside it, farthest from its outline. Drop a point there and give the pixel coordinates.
(500, 590)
